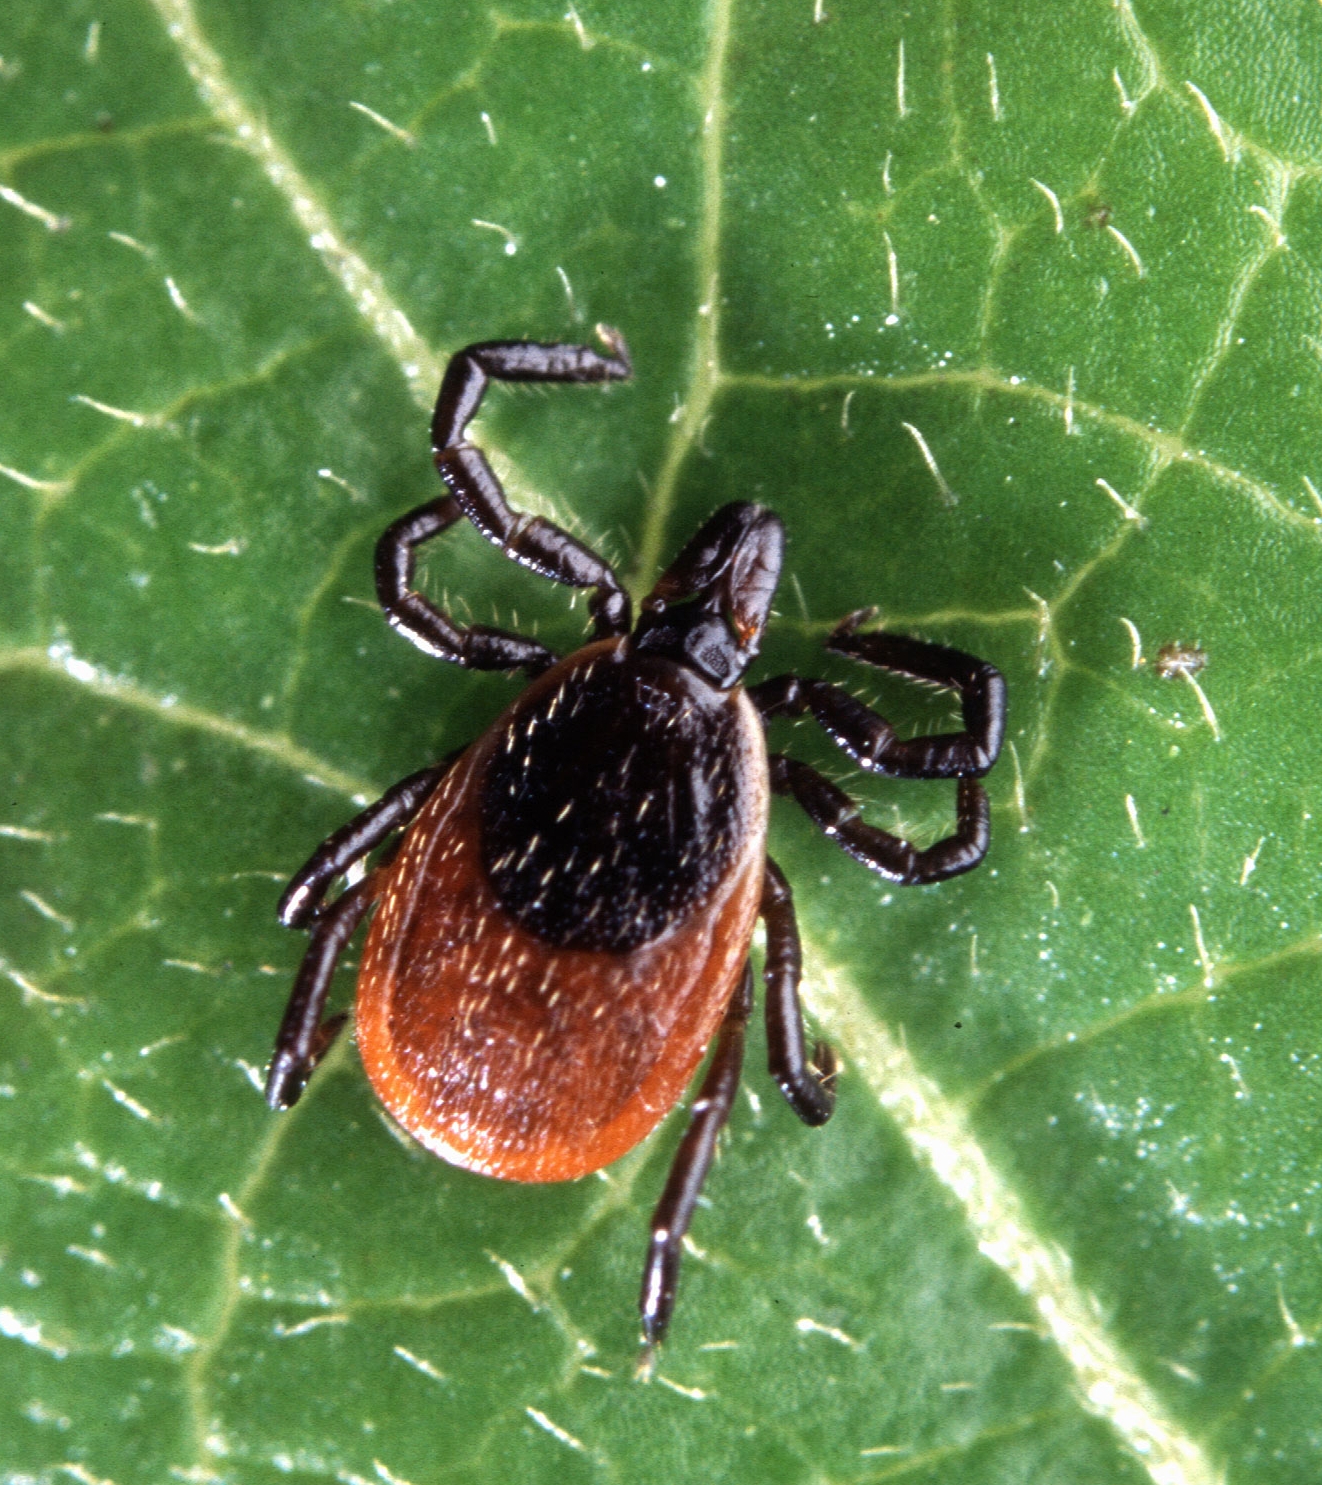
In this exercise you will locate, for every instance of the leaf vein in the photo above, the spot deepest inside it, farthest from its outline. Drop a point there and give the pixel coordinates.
(941, 1137)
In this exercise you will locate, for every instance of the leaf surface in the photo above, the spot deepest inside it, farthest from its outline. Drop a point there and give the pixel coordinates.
(1014, 315)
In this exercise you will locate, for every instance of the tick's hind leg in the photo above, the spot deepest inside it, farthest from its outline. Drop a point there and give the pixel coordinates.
(807, 1086)
(674, 1212)
(476, 493)
(304, 1038)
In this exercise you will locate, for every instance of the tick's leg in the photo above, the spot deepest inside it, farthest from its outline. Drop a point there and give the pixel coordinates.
(470, 370)
(981, 690)
(475, 646)
(807, 1086)
(304, 1038)
(888, 855)
(535, 543)
(674, 1212)
(475, 492)
(362, 835)
(870, 739)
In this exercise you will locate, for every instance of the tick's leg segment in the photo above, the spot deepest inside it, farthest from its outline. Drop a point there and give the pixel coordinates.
(475, 493)
(362, 835)
(807, 1086)
(870, 739)
(981, 690)
(674, 1212)
(832, 810)
(303, 1038)
(466, 376)
(531, 541)
(475, 646)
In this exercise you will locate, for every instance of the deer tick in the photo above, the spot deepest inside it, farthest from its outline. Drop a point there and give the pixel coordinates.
(565, 924)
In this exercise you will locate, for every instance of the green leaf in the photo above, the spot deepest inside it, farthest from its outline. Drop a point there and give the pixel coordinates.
(1014, 313)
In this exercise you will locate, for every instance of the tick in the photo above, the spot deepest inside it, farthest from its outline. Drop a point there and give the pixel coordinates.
(565, 924)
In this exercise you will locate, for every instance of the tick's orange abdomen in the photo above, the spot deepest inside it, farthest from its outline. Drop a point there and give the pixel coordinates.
(518, 1058)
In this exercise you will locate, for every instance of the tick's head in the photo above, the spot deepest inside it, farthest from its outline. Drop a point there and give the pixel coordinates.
(710, 607)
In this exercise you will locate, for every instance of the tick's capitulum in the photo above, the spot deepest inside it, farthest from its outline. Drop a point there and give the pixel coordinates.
(565, 925)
